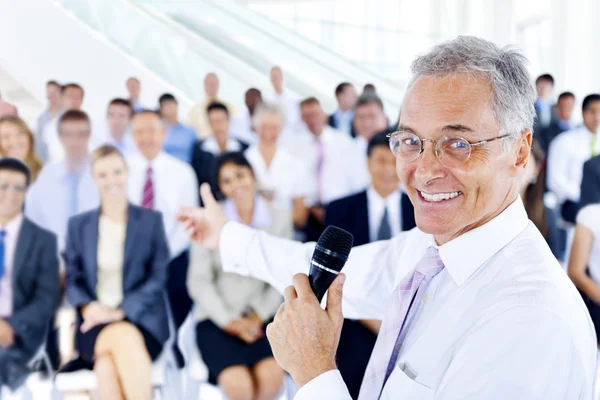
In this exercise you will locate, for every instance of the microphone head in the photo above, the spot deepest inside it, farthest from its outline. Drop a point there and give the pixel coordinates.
(334, 246)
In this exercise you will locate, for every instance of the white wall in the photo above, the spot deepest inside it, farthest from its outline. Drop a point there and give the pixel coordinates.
(40, 41)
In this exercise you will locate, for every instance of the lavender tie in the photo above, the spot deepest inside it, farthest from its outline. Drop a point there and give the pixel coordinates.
(400, 312)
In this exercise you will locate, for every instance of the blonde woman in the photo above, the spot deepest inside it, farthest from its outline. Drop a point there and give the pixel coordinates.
(17, 141)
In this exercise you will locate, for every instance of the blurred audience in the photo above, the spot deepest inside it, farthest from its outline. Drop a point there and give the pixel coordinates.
(116, 259)
(590, 182)
(342, 119)
(118, 121)
(544, 104)
(288, 102)
(7, 109)
(282, 178)
(64, 188)
(53, 90)
(71, 98)
(163, 183)
(28, 277)
(206, 151)
(325, 152)
(242, 127)
(232, 311)
(17, 141)
(533, 188)
(180, 138)
(134, 88)
(562, 121)
(584, 262)
(369, 88)
(197, 114)
(568, 152)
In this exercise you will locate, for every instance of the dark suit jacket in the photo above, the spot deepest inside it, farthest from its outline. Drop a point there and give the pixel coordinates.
(590, 183)
(146, 258)
(547, 135)
(35, 287)
(352, 214)
(204, 164)
(333, 122)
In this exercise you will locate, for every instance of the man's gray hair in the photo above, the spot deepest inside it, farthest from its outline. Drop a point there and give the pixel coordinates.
(513, 94)
(267, 108)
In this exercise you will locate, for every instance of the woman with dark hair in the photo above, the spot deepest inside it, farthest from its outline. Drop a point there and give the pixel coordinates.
(231, 310)
(116, 270)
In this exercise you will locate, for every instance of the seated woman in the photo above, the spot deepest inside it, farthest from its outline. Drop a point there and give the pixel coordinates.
(116, 271)
(17, 141)
(584, 261)
(232, 310)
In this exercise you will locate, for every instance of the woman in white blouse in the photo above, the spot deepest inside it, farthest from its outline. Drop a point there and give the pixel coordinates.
(584, 262)
(283, 179)
(231, 310)
(116, 261)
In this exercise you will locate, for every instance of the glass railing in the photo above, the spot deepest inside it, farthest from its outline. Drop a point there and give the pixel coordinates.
(309, 68)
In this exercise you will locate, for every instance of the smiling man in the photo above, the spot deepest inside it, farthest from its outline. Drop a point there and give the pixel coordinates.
(474, 305)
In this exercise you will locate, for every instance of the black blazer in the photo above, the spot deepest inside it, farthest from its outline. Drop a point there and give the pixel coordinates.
(204, 164)
(333, 122)
(35, 287)
(145, 260)
(352, 214)
(590, 183)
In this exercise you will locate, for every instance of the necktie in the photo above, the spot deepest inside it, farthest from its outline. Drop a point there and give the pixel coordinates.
(594, 142)
(148, 194)
(2, 236)
(400, 312)
(73, 190)
(320, 164)
(385, 230)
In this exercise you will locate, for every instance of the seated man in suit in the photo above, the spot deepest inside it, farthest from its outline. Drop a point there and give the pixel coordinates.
(590, 183)
(377, 213)
(206, 151)
(28, 277)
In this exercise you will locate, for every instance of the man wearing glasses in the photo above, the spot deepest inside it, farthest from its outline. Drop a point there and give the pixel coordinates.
(28, 277)
(473, 303)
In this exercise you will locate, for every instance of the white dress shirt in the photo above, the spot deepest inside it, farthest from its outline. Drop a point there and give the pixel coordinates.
(126, 146)
(210, 145)
(501, 321)
(339, 171)
(290, 105)
(589, 216)
(344, 120)
(175, 185)
(567, 154)
(377, 206)
(48, 199)
(287, 177)
(6, 281)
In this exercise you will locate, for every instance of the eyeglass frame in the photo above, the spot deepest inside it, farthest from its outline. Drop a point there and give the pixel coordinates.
(435, 142)
(20, 189)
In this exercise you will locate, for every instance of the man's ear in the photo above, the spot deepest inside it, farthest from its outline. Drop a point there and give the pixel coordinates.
(524, 148)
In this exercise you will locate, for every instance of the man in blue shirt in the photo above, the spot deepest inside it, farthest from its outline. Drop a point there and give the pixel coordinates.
(180, 138)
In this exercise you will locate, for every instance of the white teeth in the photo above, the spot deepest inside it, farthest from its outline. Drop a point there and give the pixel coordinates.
(434, 198)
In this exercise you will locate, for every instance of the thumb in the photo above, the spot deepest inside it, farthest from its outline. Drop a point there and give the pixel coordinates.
(207, 197)
(334, 299)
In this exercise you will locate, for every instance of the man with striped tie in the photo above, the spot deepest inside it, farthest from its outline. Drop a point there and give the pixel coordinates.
(161, 182)
(473, 303)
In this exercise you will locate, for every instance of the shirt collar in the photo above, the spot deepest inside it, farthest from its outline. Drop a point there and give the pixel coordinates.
(13, 226)
(261, 216)
(372, 195)
(465, 254)
(210, 145)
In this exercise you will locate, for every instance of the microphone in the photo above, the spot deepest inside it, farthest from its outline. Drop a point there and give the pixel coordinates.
(331, 253)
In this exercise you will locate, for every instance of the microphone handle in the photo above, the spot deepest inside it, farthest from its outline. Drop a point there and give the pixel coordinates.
(320, 280)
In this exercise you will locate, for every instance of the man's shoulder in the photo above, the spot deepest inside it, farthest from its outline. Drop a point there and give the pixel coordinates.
(42, 234)
(350, 201)
(593, 164)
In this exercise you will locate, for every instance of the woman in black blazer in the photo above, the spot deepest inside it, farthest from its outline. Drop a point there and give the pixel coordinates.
(116, 265)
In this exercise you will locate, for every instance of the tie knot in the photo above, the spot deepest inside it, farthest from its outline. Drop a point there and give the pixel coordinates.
(149, 171)
(431, 264)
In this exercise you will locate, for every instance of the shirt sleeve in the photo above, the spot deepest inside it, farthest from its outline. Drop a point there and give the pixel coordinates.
(370, 269)
(524, 353)
(589, 217)
(329, 385)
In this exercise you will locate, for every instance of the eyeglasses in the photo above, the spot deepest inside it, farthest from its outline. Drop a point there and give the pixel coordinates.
(450, 151)
(16, 188)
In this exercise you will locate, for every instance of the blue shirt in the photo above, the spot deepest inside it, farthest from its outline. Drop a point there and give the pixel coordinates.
(344, 120)
(179, 142)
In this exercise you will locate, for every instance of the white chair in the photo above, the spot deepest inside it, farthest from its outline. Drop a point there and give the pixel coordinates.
(166, 379)
(197, 371)
(36, 384)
